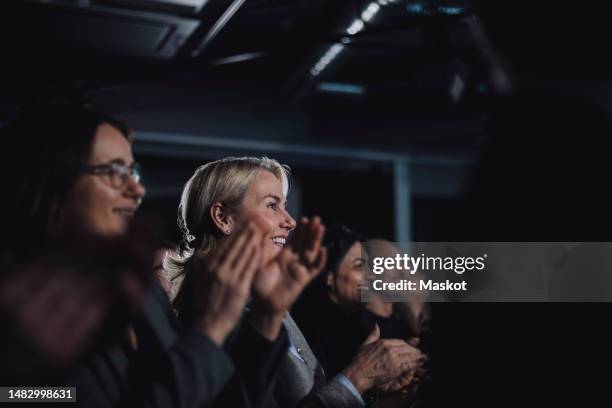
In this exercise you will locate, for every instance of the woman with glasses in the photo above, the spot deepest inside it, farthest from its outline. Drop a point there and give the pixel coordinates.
(75, 175)
(72, 193)
(72, 180)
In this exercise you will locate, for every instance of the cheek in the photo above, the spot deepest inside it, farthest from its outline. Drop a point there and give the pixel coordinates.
(263, 217)
(101, 217)
(356, 277)
(268, 222)
(344, 283)
(350, 283)
(103, 203)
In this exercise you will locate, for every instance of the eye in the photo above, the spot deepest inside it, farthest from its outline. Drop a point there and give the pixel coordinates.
(273, 205)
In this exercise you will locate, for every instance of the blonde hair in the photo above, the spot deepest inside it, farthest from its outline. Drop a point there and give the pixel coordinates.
(225, 181)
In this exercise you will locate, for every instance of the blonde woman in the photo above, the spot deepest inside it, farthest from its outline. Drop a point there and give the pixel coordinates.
(217, 201)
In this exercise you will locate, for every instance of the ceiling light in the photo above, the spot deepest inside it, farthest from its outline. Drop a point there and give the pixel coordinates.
(369, 12)
(337, 87)
(356, 27)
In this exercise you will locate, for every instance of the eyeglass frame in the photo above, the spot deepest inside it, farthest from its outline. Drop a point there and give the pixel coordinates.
(116, 167)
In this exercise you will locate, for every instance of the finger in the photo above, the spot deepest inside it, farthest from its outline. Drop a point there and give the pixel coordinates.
(22, 285)
(91, 313)
(248, 273)
(219, 256)
(320, 263)
(74, 294)
(237, 242)
(402, 382)
(406, 353)
(373, 336)
(384, 387)
(402, 347)
(298, 236)
(414, 341)
(393, 343)
(406, 366)
(421, 372)
(299, 274)
(35, 314)
(246, 252)
(233, 255)
(318, 229)
(409, 353)
(315, 239)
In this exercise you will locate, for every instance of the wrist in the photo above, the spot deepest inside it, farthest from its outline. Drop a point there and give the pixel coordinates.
(267, 324)
(357, 379)
(213, 332)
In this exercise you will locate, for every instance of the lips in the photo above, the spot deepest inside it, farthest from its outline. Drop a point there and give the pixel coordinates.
(125, 212)
(279, 241)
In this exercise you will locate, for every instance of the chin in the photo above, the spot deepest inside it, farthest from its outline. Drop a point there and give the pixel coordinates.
(122, 225)
(116, 230)
(272, 250)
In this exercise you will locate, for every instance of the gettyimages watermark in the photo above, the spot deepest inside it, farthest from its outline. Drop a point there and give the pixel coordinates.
(486, 271)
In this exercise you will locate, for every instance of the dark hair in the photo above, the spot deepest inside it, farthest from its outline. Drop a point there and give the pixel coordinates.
(45, 150)
(338, 241)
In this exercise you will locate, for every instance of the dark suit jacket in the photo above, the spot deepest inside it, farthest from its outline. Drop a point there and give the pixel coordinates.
(178, 368)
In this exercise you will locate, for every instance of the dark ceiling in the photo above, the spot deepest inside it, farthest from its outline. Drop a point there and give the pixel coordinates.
(386, 74)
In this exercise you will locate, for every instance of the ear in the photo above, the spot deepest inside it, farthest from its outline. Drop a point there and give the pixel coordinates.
(221, 218)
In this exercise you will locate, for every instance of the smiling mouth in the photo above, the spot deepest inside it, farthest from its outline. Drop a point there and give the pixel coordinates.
(125, 212)
(279, 241)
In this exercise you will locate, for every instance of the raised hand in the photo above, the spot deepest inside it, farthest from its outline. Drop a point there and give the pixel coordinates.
(307, 241)
(280, 281)
(222, 284)
(75, 294)
(56, 311)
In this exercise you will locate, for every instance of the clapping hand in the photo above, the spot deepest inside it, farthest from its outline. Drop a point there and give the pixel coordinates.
(280, 280)
(215, 299)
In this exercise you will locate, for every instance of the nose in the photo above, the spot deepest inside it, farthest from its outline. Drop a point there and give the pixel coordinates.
(135, 190)
(288, 222)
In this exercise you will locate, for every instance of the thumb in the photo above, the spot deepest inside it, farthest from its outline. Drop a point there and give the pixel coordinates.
(414, 341)
(375, 335)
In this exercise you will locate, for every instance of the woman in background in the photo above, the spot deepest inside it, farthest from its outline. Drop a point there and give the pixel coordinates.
(332, 315)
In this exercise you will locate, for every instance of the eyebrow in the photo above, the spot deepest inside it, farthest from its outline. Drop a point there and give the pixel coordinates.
(118, 161)
(274, 196)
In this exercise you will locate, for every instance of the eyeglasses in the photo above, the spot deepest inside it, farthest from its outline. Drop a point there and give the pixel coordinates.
(119, 173)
